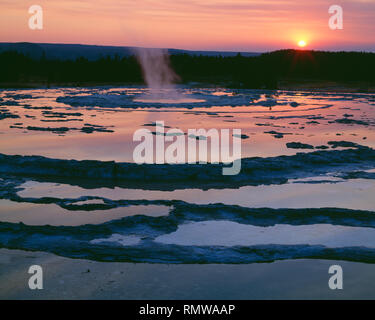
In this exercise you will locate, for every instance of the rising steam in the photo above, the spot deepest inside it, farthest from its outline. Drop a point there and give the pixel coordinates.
(160, 78)
(156, 67)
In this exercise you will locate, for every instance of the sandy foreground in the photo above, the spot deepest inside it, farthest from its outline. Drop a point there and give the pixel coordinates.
(82, 279)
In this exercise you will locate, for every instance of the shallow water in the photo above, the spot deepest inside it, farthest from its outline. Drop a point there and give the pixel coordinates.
(318, 205)
(311, 122)
(354, 194)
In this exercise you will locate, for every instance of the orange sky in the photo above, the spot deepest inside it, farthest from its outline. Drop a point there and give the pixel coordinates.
(238, 25)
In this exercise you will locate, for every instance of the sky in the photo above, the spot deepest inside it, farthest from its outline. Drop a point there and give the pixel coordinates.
(230, 25)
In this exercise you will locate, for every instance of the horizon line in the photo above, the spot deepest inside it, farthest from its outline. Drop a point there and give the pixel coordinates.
(182, 49)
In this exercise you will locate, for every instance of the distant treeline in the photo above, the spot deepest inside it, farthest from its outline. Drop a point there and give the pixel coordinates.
(263, 71)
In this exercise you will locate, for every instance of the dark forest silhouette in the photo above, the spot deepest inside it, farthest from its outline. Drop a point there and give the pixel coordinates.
(263, 71)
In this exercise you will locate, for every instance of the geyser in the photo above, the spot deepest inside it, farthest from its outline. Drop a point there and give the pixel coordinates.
(156, 68)
(160, 78)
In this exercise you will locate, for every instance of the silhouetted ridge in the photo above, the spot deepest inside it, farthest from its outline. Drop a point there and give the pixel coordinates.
(263, 71)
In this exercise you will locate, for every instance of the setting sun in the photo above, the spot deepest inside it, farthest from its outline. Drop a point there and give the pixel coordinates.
(302, 43)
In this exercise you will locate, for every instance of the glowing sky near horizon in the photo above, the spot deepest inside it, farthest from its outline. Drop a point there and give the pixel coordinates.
(238, 25)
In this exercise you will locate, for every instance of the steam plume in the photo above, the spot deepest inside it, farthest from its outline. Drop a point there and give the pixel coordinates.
(156, 68)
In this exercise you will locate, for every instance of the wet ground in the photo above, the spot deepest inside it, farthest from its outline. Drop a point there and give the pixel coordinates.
(88, 126)
(309, 194)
